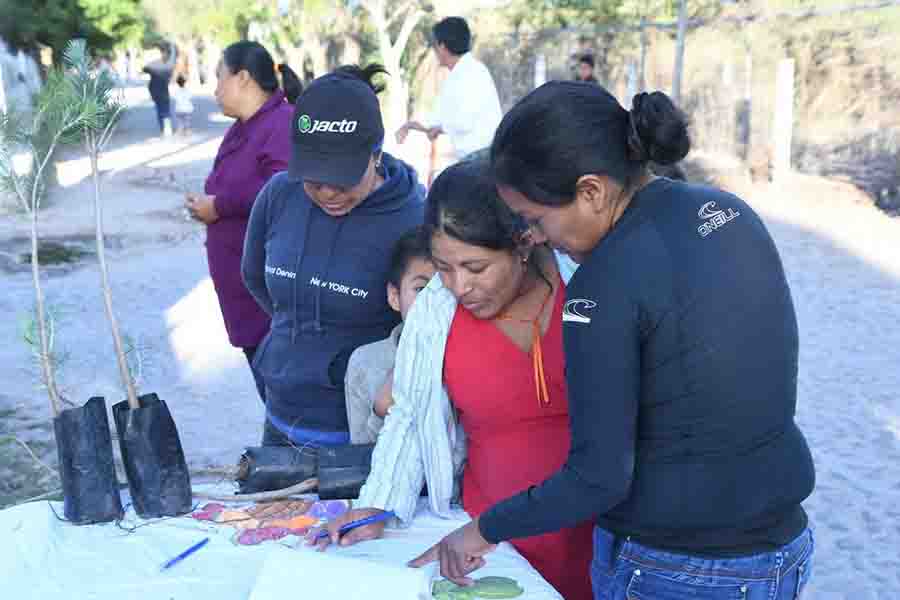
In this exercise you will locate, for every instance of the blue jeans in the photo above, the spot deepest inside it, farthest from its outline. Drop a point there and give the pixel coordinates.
(276, 433)
(625, 570)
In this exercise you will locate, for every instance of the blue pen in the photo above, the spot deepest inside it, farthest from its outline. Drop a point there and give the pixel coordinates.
(174, 561)
(347, 527)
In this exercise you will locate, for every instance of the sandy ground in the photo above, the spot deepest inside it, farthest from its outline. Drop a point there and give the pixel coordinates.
(842, 259)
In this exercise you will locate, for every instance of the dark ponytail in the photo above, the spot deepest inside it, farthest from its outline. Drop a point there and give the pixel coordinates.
(290, 83)
(256, 60)
(365, 74)
(565, 130)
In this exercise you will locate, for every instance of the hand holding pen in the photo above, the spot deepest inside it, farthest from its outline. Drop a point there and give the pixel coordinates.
(355, 525)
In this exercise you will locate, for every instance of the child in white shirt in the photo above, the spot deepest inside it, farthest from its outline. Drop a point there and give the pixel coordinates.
(184, 106)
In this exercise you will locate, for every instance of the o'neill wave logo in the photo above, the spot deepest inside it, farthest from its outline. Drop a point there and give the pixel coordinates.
(306, 125)
(714, 218)
(573, 308)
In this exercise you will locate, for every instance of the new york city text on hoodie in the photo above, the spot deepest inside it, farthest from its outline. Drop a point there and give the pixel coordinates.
(322, 279)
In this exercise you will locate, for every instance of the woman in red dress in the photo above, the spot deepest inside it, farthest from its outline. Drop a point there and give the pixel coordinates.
(504, 368)
(515, 439)
(503, 371)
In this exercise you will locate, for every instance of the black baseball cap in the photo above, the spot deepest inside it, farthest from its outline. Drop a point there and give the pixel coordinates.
(336, 128)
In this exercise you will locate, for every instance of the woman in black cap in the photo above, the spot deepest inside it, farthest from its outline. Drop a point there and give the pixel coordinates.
(681, 360)
(317, 254)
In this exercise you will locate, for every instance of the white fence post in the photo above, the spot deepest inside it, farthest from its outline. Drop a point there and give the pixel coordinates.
(540, 70)
(784, 119)
(2, 90)
(679, 52)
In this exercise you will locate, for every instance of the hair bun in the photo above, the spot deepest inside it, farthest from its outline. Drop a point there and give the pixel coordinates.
(636, 149)
(658, 130)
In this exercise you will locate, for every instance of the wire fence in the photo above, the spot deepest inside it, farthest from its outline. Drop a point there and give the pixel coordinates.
(843, 121)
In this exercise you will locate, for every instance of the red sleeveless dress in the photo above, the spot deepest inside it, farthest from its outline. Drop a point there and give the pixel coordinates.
(514, 440)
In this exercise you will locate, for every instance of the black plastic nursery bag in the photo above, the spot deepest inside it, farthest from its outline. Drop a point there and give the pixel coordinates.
(343, 470)
(266, 468)
(154, 460)
(86, 467)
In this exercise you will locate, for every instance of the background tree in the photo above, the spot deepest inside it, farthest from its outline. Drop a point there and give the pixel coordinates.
(394, 23)
(102, 23)
(122, 21)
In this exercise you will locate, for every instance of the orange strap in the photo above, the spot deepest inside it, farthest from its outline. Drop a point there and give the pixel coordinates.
(537, 354)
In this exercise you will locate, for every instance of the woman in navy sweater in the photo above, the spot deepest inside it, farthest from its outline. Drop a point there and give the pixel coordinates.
(317, 254)
(681, 353)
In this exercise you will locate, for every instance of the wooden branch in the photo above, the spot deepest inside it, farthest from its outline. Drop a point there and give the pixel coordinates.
(40, 497)
(229, 471)
(31, 453)
(91, 146)
(110, 127)
(299, 488)
(45, 359)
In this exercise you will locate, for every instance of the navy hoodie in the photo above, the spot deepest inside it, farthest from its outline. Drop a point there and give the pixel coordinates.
(323, 281)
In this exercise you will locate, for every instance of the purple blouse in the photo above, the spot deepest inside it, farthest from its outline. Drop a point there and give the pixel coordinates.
(250, 154)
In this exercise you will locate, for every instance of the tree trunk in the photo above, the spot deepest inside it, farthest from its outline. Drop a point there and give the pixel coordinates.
(391, 54)
(679, 52)
(2, 92)
(317, 53)
(211, 54)
(642, 71)
(124, 373)
(398, 91)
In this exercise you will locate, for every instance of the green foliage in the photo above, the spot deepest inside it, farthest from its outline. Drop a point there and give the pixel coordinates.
(225, 20)
(540, 14)
(91, 92)
(31, 336)
(75, 105)
(103, 23)
(121, 20)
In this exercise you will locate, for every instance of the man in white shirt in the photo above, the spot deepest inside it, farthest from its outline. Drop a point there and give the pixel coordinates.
(468, 107)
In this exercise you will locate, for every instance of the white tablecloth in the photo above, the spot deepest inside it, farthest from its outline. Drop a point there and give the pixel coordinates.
(44, 558)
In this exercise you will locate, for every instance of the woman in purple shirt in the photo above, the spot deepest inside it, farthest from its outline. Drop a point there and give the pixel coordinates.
(256, 147)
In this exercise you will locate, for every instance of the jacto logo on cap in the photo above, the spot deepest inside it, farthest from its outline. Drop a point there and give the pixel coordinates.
(306, 125)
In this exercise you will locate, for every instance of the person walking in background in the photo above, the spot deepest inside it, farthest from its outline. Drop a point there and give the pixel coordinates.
(318, 253)
(184, 105)
(160, 72)
(585, 69)
(257, 146)
(468, 107)
(681, 348)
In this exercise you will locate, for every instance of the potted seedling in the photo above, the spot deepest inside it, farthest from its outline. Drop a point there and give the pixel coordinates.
(151, 449)
(83, 441)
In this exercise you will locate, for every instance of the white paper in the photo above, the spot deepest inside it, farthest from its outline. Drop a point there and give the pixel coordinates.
(332, 575)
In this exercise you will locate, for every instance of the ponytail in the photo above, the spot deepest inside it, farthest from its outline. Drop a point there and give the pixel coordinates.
(564, 130)
(366, 74)
(253, 58)
(256, 60)
(290, 83)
